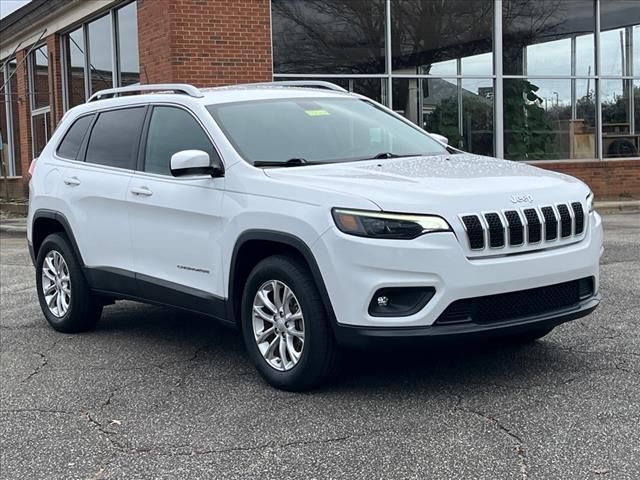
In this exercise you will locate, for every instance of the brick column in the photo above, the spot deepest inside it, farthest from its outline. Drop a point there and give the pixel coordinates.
(205, 43)
(55, 79)
(24, 116)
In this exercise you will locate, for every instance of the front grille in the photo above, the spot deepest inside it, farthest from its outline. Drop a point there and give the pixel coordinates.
(517, 305)
(528, 226)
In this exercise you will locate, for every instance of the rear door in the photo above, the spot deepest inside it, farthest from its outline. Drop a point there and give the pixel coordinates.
(176, 223)
(96, 188)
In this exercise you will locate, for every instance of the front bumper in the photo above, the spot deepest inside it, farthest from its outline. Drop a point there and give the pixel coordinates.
(360, 337)
(354, 268)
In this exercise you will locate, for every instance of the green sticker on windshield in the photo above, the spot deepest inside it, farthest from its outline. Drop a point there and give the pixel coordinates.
(317, 113)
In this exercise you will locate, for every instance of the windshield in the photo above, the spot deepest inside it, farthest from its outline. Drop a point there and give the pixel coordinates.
(316, 130)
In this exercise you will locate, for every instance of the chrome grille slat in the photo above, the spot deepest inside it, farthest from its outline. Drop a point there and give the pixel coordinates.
(551, 223)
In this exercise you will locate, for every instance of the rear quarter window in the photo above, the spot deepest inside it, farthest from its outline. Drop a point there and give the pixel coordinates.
(70, 146)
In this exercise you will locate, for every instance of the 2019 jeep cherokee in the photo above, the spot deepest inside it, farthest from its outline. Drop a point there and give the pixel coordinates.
(310, 218)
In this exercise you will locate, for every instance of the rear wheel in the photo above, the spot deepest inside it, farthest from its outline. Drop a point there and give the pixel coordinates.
(65, 298)
(285, 326)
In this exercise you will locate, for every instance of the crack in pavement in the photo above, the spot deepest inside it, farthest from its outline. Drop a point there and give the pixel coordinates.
(174, 450)
(520, 444)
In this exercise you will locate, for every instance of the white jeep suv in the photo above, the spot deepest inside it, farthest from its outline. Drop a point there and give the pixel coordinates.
(305, 216)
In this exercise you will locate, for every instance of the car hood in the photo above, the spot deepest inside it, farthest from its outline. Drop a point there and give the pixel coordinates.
(463, 182)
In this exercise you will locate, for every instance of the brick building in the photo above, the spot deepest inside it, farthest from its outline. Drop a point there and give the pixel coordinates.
(552, 82)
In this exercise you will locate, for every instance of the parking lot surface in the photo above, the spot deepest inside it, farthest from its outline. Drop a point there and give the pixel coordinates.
(157, 393)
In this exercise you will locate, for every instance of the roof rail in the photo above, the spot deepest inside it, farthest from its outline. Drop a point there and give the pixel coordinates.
(298, 83)
(159, 87)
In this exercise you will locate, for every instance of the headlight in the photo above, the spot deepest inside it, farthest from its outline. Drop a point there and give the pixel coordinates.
(387, 225)
(590, 202)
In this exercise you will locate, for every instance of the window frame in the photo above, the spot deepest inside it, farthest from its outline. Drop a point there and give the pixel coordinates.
(140, 163)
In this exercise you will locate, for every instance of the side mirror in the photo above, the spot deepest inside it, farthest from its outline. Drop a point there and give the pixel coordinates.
(440, 138)
(192, 162)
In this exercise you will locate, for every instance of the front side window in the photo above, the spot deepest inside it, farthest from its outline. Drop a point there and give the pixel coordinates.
(114, 138)
(172, 130)
(318, 130)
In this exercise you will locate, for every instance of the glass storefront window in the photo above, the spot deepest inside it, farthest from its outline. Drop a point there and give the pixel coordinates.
(461, 110)
(537, 36)
(540, 123)
(40, 131)
(40, 77)
(328, 36)
(429, 38)
(128, 45)
(619, 137)
(75, 53)
(619, 21)
(100, 59)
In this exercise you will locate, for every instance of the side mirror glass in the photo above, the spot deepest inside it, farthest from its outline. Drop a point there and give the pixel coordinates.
(192, 162)
(440, 138)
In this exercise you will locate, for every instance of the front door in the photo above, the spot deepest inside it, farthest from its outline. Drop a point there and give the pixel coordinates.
(176, 223)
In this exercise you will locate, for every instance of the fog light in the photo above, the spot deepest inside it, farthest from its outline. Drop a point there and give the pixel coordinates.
(400, 301)
(383, 301)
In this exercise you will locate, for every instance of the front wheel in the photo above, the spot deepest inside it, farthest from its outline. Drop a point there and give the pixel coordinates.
(285, 326)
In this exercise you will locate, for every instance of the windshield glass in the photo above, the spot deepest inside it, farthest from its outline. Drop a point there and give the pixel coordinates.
(318, 130)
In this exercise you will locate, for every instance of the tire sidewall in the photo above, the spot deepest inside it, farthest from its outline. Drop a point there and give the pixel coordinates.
(313, 319)
(51, 243)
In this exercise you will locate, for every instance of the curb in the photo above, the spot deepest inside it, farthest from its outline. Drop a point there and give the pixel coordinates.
(13, 229)
(629, 206)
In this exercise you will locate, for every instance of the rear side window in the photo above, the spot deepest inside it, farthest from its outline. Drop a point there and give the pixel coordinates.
(171, 130)
(114, 138)
(72, 141)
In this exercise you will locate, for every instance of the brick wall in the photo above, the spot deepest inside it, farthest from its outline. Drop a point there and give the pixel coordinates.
(24, 117)
(206, 43)
(55, 79)
(608, 179)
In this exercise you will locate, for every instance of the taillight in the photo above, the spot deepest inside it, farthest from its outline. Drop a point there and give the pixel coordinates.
(32, 167)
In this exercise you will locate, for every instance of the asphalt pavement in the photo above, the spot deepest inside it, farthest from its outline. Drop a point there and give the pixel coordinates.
(160, 394)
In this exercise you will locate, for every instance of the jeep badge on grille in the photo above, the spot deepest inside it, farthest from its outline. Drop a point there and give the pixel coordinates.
(521, 199)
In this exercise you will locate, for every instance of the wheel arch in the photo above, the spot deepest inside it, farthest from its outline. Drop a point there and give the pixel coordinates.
(44, 223)
(246, 256)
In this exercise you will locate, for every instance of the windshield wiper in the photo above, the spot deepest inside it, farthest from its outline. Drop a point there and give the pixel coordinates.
(392, 155)
(292, 162)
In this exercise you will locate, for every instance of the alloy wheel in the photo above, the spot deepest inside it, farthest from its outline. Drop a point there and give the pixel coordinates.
(56, 284)
(278, 325)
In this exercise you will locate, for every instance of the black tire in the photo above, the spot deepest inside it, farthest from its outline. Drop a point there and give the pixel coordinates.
(84, 308)
(319, 356)
(529, 336)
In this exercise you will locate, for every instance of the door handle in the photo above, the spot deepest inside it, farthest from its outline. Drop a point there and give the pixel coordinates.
(142, 191)
(72, 181)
